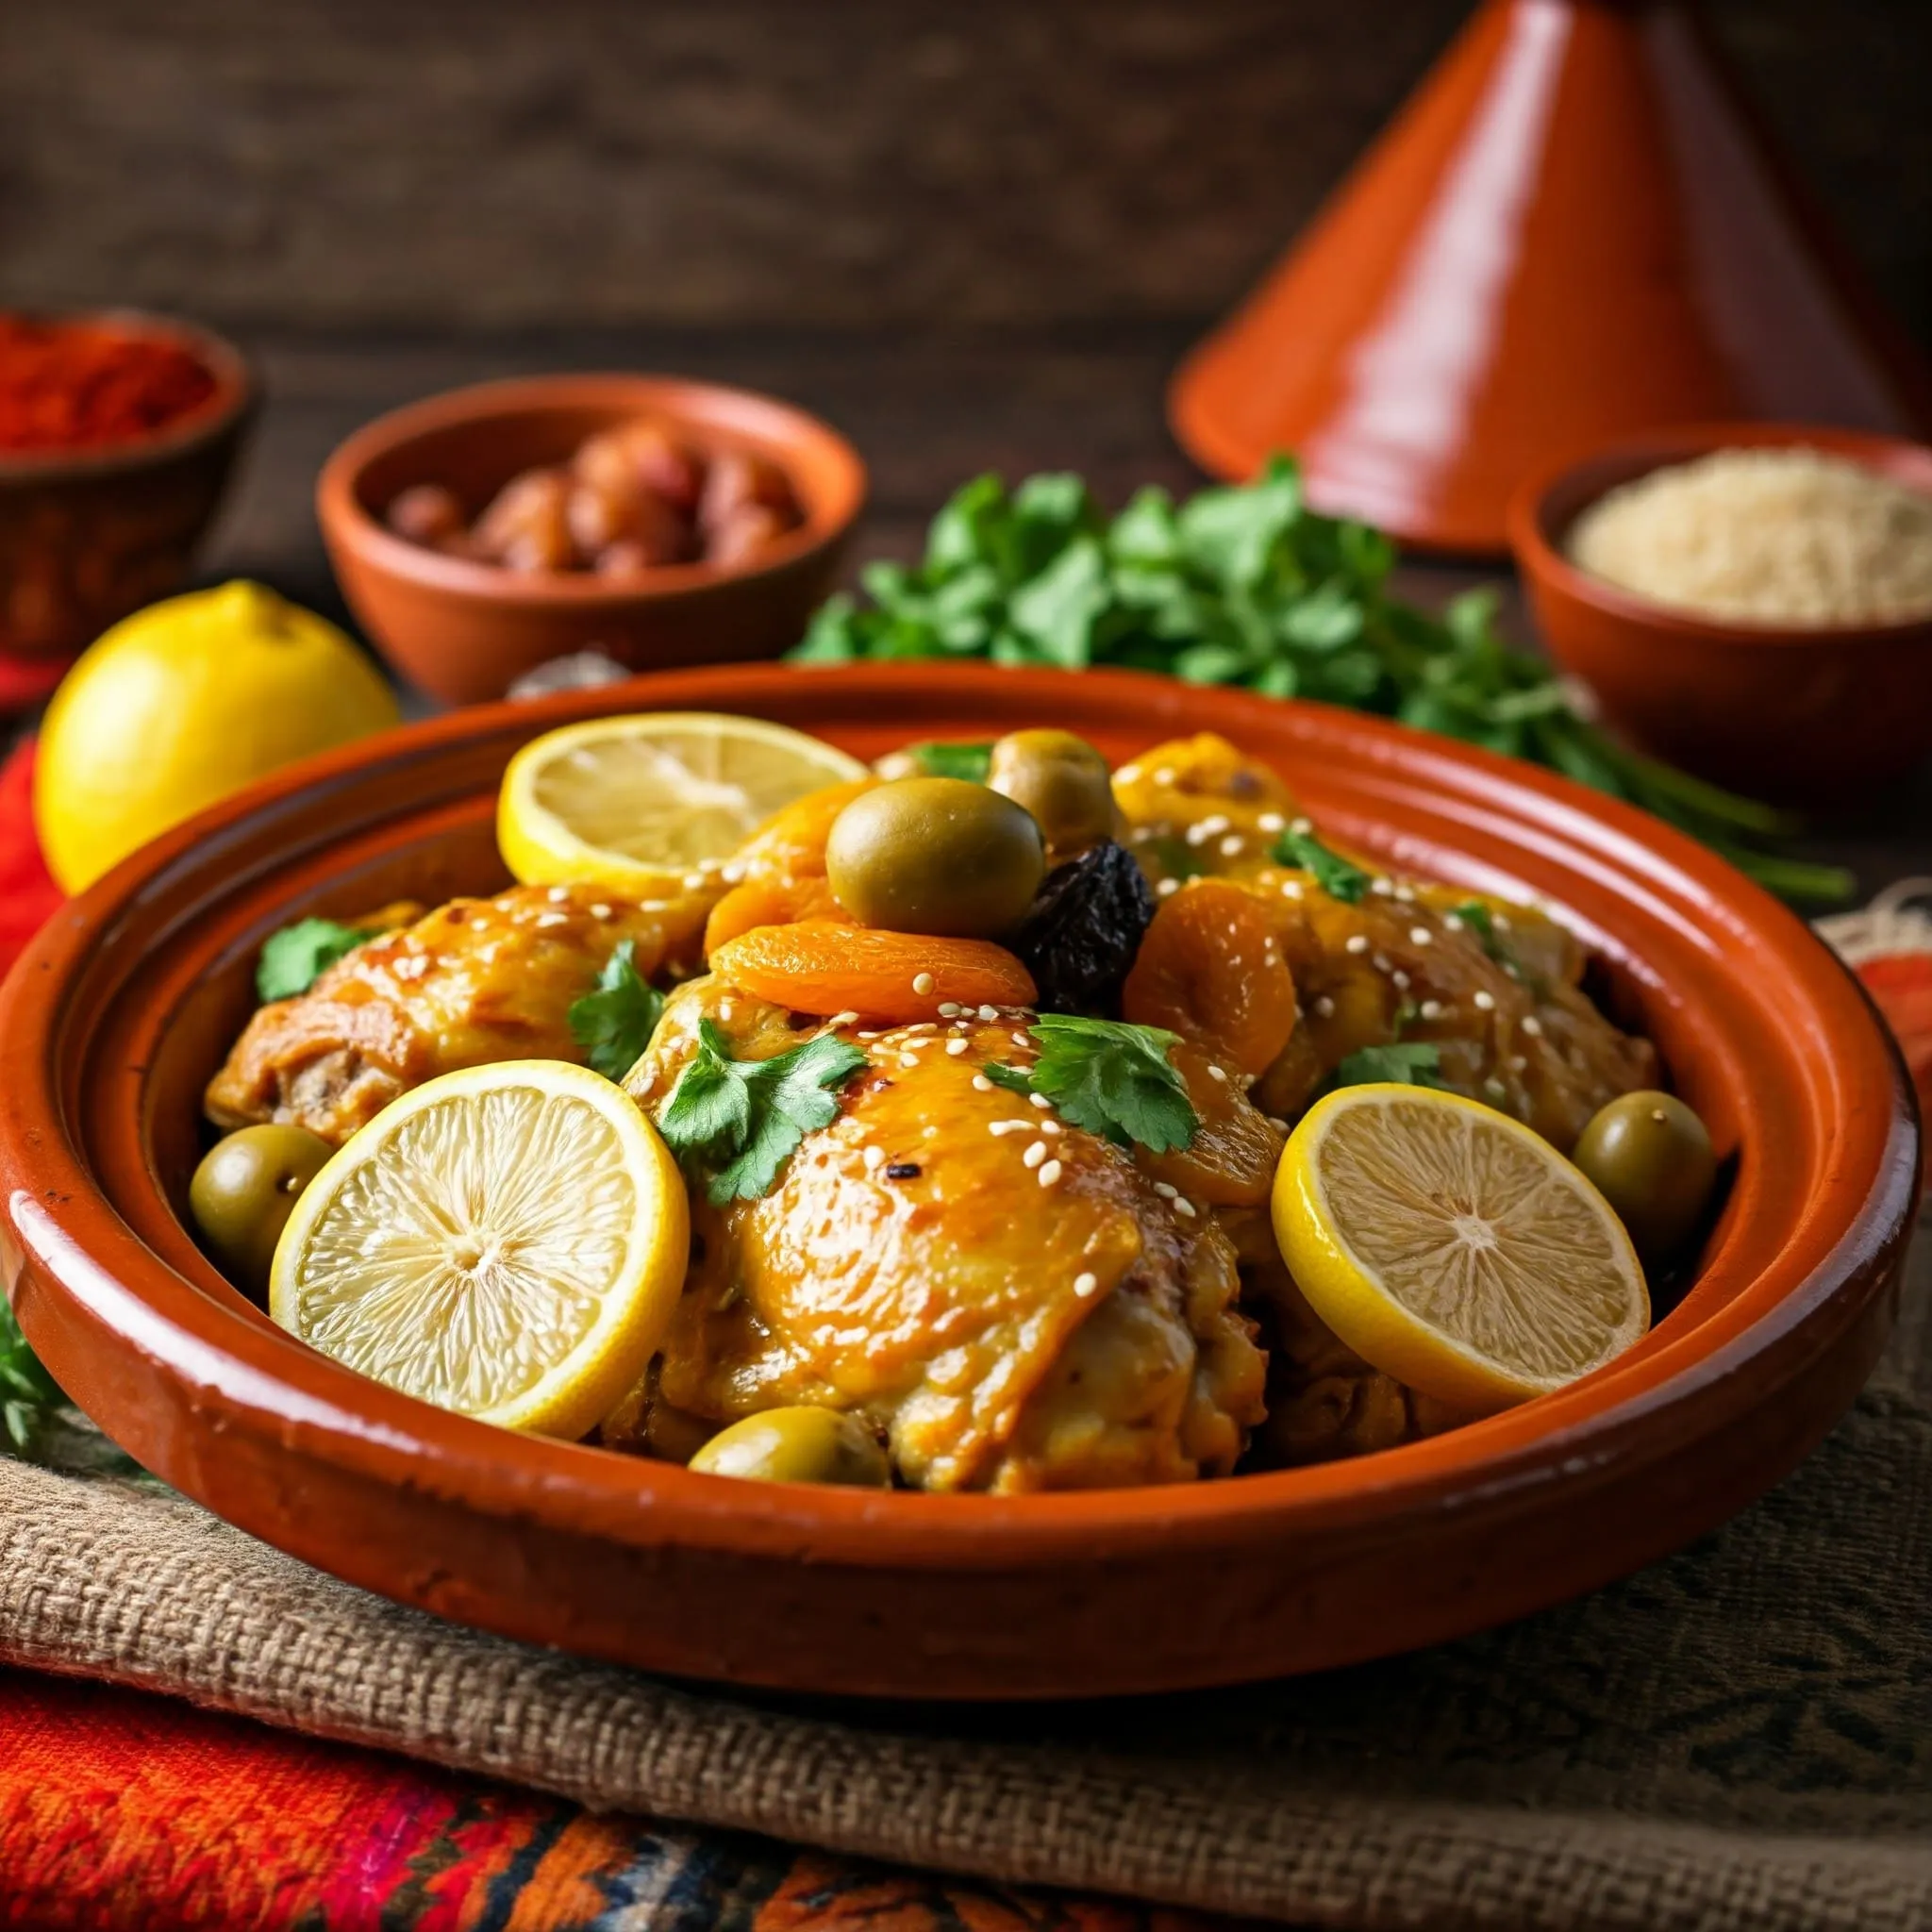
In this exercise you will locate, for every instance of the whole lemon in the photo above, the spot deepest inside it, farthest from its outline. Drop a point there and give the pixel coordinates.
(182, 704)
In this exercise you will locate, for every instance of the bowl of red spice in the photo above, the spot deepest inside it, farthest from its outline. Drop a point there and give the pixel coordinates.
(118, 432)
(658, 520)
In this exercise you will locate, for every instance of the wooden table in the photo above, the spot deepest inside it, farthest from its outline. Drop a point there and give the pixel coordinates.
(926, 410)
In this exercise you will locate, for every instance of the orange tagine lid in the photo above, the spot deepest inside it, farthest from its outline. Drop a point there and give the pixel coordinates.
(1572, 230)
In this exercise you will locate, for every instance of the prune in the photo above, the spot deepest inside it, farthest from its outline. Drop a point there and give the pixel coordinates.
(1085, 926)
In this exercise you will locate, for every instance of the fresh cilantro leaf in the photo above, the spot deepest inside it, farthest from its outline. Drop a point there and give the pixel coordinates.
(614, 1023)
(1331, 872)
(36, 1425)
(294, 959)
(939, 760)
(1113, 1078)
(1410, 1062)
(741, 1120)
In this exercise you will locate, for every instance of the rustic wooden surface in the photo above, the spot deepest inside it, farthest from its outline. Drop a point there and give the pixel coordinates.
(759, 163)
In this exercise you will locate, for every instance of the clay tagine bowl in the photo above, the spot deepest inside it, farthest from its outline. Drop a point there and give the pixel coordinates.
(1811, 716)
(463, 630)
(121, 1008)
(88, 535)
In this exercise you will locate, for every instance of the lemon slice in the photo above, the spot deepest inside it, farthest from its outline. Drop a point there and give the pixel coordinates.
(508, 1242)
(634, 803)
(1452, 1248)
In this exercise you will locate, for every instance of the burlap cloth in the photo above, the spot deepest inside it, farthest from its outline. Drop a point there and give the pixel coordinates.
(1738, 1736)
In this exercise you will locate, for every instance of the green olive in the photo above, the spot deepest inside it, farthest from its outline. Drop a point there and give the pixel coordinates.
(1062, 781)
(797, 1445)
(1651, 1159)
(938, 856)
(244, 1191)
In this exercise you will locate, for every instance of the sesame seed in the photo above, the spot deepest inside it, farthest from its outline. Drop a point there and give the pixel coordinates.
(1532, 1026)
(1485, 1002)
(1019, 1039)
(1215, 1073)
(981, 1084)
(1358, 942)
(733, 873)
(725, 1009)
(1034, 1154)
(988, 1012)
(479, 925)
(544, 919)
(1050, 1174)
(1453, 921)
(1184, 1207)
(949, 1009)
(1039, 1100)
(1233, 843)
(1051, 1127)
(1127, 774)
(1382, 963)
(1290, 888)
(558, 894)
(1432, 1009)
(1164, 776)
(600, 911)
(1516, 1063)
(1168, 887)
(1280, 1127)
(1270, 822)
(922, 984)
(1500, 920)
(1325, 1007)
(1399, 979)
(1421, 936)
(874, 1157)
(1166, 1190)
(845, 1019)
(997, 1128)
(1086, 1284)
(956, 1047)
(1381, 888)
(1215, 822)
(693, 880)
(1301, 827)
(908, 1060)
(1404, 892)
(874, 1035)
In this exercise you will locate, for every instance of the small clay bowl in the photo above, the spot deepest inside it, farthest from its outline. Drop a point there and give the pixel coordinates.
(129, 999)
(464, 630)
(88, 535)
(1802, 716)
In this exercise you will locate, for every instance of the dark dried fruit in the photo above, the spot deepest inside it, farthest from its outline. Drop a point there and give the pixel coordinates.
(1080, 935)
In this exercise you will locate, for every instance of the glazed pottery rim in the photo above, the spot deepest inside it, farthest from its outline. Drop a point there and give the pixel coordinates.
(268, 1382)
(1540, 555)
(341, 508)
(235, 394)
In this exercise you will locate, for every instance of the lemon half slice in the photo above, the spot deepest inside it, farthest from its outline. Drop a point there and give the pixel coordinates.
(634, 803)
(505, 1241)
(1452, 1248)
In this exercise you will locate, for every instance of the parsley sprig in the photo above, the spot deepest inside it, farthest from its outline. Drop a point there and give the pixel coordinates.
(294, 959)
(613, 1025)
(1248, 585)
(1335, 874)
(36, 1425)
(1110, 1077)
(739, 1120)
(1409, 1062)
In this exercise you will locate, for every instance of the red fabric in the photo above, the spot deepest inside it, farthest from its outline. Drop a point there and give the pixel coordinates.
(28, 896)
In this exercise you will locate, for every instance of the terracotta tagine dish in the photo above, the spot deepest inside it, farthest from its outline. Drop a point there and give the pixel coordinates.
(1572, 231)
(128, 1000)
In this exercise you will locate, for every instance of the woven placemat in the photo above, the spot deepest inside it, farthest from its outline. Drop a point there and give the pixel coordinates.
(1739, 1736)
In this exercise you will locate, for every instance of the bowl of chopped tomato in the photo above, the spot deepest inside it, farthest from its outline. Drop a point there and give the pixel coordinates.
(118, 433)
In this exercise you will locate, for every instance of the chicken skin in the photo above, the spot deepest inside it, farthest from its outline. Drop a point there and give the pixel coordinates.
(477, 980)
(1011, 1301)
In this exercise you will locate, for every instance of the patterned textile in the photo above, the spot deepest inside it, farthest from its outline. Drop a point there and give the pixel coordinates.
(121, 1812)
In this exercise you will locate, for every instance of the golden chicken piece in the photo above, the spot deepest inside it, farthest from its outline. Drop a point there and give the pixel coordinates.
(477, 980)
(1011, 1301)
(1494, 987)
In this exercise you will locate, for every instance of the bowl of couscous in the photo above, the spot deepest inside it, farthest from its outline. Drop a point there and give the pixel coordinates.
(1750, 601)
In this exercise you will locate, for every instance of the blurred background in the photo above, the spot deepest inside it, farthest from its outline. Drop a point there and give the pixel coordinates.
(972, 237)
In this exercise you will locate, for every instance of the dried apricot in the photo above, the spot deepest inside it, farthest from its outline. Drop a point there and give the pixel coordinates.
(767, 902)
(1212, 969)
(820, 966)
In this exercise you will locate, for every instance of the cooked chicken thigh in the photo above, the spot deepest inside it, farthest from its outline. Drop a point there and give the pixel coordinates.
(476, 980)
(1003, 1330)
